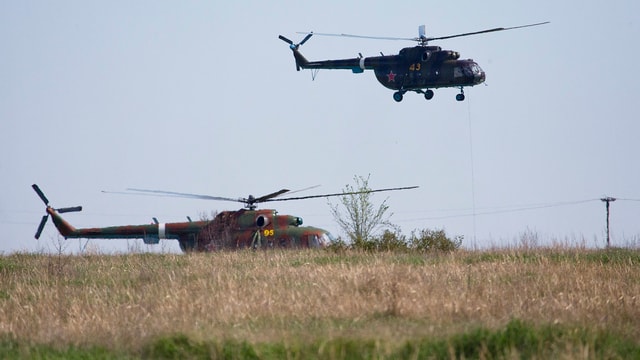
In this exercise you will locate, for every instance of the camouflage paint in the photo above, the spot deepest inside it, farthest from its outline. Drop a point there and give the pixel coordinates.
(228, 230)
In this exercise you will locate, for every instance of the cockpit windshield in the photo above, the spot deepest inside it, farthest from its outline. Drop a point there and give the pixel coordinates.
(326, 239)
(471, 70)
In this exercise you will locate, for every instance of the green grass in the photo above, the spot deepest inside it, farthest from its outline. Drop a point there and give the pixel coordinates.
(517, 339)
(556, 255)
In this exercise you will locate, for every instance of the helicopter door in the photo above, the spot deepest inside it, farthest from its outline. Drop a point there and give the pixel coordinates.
(314, 241)
(283, 242)
(458, 72)
(431, 72)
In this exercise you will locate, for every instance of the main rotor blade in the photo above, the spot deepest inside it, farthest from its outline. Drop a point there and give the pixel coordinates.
(485, 31)
(43, 222)
(272, 195)
(305, 189)
(175, 194)
(280, 192)
(423, 39)
(69, 209)
(358, 36)
(40, 194)
(344, 193)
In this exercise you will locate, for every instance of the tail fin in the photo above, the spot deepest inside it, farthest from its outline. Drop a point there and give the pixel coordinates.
(61, 224)
(301, 61)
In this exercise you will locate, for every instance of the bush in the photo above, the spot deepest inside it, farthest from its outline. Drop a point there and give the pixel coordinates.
(366, 244)
(338, 246)
(388, 241)
(433, 240)
(391, 241)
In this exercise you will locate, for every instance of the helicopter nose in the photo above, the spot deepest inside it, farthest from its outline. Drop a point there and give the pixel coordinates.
(478, 74)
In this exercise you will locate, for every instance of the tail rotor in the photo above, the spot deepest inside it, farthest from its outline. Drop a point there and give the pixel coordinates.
(294, 47)
(44, 199)
(287, 41)
(40, 194)
(43, 222)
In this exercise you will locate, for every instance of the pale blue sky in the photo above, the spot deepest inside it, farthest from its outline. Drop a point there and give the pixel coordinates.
(202, 97)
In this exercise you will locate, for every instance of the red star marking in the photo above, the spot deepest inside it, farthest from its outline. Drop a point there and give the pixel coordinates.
(391, 76)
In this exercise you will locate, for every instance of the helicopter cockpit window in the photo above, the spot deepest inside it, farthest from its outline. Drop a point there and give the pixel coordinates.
(326, 239)
(467, 70)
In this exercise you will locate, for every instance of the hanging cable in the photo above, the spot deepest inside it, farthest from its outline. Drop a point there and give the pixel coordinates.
(473, 187)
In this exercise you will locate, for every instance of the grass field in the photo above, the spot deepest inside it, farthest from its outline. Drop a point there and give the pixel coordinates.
(513, 303)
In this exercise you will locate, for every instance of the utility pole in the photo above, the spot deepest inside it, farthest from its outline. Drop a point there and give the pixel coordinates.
(607, 200)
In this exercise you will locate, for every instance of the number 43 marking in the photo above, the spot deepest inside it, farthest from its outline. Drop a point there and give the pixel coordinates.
(414, 67)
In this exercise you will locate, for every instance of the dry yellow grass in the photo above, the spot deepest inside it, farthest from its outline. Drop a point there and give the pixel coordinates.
(124, 301)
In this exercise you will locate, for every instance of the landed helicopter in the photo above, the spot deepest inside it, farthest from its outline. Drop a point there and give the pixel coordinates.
(420, 68)
(244, 228)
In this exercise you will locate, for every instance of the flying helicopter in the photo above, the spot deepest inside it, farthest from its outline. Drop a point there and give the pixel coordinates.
(244, 228)
(420, 68)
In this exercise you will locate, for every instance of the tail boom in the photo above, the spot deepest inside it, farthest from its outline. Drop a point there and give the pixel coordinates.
(151, 234)
(356, 65)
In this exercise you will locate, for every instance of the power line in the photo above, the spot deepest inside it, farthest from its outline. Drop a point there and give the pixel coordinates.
(509, 209)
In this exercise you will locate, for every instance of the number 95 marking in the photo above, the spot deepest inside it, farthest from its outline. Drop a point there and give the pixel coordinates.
(267, 232)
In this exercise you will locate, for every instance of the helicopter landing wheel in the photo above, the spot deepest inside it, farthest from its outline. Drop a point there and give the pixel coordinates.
(428, 94)
(460, 97)
(397, 96)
